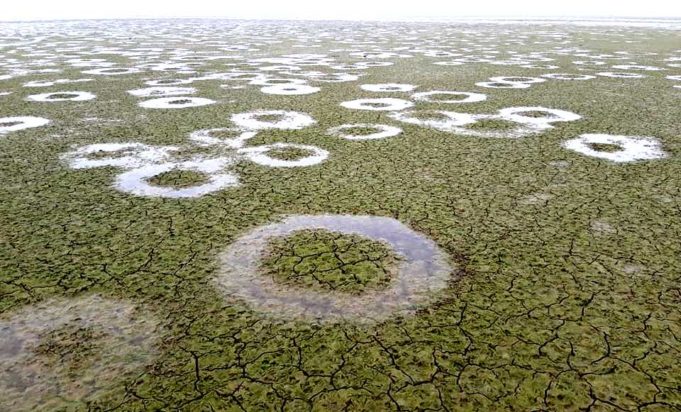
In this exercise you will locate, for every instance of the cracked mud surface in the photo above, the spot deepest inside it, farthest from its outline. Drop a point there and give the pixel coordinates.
(71, 344)
(330, 261)
(564, 291)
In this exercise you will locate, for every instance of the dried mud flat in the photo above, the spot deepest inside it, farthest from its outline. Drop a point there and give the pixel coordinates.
(474, 216)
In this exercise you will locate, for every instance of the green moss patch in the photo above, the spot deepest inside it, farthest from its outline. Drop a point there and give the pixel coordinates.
(105, 154)
(178, 179)
(605, 147)
(430, 115)
(330, 261)
(360, 131)
(62, 96)
(180, 101)
(268, 118)
(537, 114)
(225, 133)
(491, 124)
(288, 153)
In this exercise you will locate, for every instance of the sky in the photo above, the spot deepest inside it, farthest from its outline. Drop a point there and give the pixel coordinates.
(333, 10)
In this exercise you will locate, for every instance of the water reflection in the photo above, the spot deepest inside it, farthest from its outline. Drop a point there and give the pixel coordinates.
(423, 270)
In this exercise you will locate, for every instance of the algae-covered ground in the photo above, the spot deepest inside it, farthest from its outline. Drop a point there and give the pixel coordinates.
(546, 173)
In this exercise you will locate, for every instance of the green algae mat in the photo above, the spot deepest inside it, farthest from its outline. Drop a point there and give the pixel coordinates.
(231, 215)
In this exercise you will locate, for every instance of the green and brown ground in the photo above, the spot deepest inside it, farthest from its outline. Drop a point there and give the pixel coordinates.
(178, 179)
(330, 261)
(568, 296)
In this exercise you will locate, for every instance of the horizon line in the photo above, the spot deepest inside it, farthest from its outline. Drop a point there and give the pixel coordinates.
(423, 19)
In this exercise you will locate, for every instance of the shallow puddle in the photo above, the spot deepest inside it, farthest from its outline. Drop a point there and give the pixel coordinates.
(423, 271)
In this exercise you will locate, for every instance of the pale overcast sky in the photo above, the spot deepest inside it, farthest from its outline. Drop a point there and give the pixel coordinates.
(338, 9)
